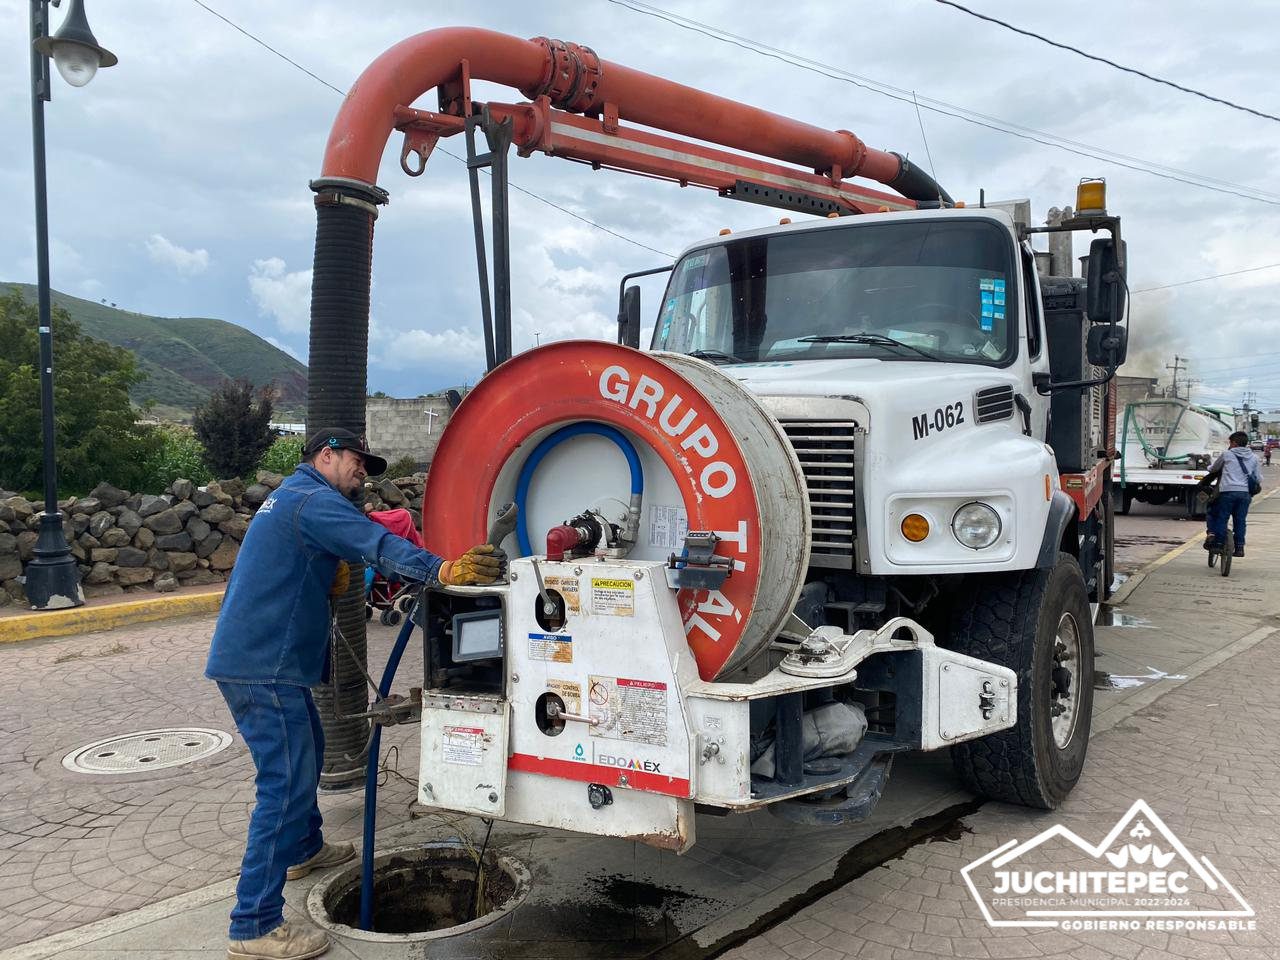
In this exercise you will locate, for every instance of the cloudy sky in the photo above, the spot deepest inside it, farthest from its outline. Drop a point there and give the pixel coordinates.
(178, 179)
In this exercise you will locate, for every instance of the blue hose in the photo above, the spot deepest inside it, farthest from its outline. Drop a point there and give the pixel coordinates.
(545, 447)
(371, 780)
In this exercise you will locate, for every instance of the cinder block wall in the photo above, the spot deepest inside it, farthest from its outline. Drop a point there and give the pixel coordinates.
(405, 428)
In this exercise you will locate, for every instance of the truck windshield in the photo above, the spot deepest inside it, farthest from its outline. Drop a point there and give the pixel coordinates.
(931, 289)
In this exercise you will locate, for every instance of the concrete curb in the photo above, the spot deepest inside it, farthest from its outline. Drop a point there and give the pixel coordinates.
(107, 616)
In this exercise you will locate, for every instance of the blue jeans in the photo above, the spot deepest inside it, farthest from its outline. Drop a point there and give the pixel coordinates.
(1233, 504)
(279, 723)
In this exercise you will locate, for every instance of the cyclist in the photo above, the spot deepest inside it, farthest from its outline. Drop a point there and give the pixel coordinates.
(1239, 480)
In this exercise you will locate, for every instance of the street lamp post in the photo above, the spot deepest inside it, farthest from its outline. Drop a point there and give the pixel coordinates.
(52, 580)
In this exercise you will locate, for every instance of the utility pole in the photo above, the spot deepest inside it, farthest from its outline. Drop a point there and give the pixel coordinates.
(1177, 366)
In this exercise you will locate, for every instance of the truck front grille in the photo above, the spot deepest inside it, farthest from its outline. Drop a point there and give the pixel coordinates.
(825, 449)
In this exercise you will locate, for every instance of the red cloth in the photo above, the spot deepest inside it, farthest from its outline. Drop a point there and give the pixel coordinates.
(399, 522)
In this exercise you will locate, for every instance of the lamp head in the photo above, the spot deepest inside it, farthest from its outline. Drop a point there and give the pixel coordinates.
(74, 48)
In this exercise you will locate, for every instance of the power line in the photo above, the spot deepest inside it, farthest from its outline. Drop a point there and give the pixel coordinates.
(952, 110)
(1109, 63)
(1216, 276)
(263, 43)
(514, 186)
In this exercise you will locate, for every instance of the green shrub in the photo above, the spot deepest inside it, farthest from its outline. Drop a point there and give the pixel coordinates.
(178, 454)
(283, 455)
(404, 467)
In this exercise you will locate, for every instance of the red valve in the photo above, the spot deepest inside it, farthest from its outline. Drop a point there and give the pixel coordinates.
(560, 540)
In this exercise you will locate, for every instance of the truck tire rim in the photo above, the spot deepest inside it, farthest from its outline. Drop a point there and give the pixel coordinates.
(1064, 681)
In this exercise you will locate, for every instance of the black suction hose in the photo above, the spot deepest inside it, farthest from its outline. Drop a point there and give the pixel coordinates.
(915, 184)
(371, 780)
(336, 386)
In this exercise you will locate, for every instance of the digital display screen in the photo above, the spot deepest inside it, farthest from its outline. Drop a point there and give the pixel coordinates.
(477, 636)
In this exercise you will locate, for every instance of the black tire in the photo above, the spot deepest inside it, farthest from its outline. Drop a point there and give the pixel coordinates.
(385, 617)
(393, 618)
(1123, 501)
(1228, 546)
(1014, 620)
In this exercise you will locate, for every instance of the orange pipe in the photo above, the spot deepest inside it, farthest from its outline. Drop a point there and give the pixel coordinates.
(412, 67)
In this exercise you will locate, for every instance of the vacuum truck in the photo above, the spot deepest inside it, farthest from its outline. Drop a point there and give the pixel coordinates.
(1165, 448)
(852, 498)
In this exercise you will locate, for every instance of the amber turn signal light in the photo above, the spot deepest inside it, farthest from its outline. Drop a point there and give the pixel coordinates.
(915, 527)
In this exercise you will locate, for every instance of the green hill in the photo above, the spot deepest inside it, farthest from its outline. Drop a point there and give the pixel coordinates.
(186, 358)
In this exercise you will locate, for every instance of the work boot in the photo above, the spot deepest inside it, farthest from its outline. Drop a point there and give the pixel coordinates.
(289, 941)
(1238, 552)
(329, 855)
(1210, 543)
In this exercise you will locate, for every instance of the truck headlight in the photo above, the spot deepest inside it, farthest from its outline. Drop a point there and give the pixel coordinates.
(976, 525)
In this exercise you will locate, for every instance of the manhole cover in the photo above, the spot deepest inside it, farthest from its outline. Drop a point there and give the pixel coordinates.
(146, 750)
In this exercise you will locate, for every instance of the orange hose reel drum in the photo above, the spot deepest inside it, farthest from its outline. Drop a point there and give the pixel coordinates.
(686, 419)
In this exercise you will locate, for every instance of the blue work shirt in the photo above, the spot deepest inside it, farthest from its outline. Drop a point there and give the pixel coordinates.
(1238, 464)
(274, 624)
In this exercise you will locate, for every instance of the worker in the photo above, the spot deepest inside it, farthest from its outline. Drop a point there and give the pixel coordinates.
(1239, 480)
(271, 644)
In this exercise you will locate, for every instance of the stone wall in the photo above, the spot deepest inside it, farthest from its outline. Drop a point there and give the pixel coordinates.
(405, 428)
(130, 542)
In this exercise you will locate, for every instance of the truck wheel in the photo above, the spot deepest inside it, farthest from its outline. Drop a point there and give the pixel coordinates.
(1037, 623)
(1122, 500)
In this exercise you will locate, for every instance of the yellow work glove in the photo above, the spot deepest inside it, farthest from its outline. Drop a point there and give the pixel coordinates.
(480, 565)
(341, 579)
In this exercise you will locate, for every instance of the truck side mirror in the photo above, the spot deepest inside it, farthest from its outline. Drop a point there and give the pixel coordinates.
(1103, 340)
(1105, 291)
(629, 318)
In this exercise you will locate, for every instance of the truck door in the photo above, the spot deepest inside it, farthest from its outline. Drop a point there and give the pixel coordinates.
(1033, 343)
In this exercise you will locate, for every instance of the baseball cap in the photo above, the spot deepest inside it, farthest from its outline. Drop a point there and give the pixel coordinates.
(335, 438)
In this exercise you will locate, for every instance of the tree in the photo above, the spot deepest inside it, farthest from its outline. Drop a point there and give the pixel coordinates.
(234, 430)
(96, 435)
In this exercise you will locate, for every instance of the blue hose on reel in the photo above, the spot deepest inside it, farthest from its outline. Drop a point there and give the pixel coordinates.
(542, 449)
(371, 780)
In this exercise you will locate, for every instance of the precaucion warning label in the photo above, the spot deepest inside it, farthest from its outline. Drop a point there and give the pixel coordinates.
(623, 709)
(557, 647)
(463, 745)
(613, 598)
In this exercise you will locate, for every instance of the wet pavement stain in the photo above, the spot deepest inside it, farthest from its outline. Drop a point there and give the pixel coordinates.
(942, 827)
(1109, 616)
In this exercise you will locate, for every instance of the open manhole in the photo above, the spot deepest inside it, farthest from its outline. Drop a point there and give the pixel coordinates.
(422, 893)
(147, 750)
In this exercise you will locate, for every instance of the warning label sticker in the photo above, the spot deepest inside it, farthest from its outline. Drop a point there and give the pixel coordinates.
(623, 709)
(569, 691)
(668, 526)
(567, 587)
(463, 745)
(557, 647)
(613, 598)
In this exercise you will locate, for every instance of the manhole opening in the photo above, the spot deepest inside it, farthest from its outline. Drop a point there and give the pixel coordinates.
(423, 893)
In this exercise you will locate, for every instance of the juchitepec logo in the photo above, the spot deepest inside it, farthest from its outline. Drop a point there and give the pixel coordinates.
(1139, 877)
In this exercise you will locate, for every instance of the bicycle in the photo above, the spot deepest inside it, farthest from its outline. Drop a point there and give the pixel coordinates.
(1225, 550)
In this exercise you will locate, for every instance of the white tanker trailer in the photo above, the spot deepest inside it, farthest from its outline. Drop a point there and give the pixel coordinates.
(1166, 447)
(850, 503)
